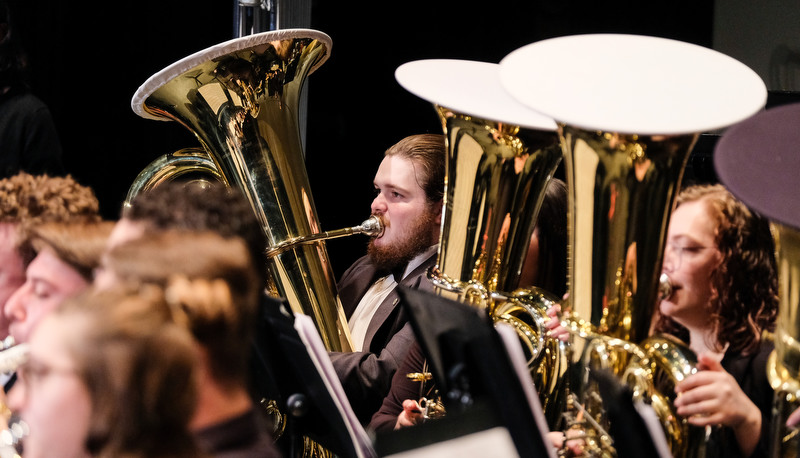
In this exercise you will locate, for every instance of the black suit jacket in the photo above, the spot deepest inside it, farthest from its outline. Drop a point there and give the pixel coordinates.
(367, 375)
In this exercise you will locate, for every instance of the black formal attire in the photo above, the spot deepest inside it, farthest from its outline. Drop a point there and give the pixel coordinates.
(28, 138)
(244, 436)
(402, 388)
(750, 371)
(366, 375)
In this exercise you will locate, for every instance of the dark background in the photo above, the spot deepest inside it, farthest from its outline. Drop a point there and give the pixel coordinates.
(88, 61)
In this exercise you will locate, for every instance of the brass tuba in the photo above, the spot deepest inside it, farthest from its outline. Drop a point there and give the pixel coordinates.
(500, 158)
(240, 99)
(629, 110)
(767, 143)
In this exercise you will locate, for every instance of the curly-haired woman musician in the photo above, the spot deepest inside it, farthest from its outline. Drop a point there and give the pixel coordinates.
(720, 259)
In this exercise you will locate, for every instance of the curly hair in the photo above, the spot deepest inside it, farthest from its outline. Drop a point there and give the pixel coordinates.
(211, 207)
(33, 199)
(745, 284)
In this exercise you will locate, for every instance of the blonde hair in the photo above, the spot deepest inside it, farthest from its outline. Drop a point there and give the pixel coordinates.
(78, 244)
(211, 278)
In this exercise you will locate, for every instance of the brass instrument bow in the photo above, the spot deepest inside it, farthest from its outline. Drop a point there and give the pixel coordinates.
(629, 110)
(501, 157)
(240, 99)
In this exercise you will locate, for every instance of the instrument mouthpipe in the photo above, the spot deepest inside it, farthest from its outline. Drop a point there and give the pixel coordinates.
(372, 227)
(13, 357)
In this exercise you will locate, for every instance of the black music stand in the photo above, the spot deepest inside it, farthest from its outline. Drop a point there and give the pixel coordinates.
(295, 377)
(480, 388)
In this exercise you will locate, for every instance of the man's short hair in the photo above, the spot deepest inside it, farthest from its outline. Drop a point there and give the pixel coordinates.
(428, 154)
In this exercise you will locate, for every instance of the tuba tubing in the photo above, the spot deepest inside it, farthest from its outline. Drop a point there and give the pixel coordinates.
(500, 159)
(628, 121)
(240, 99)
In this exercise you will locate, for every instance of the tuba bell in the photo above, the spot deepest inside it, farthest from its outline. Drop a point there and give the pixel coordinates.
(241, 100)
(767, 143)
(500, 158)
(629, 110)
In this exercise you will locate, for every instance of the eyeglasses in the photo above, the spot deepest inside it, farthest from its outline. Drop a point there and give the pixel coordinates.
(679, 253)
(33, 372)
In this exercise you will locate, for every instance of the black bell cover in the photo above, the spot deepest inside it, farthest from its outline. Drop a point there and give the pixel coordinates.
(758, 160)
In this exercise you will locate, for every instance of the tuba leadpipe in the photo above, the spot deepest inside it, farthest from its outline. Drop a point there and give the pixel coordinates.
(629, 110)
(241, 100)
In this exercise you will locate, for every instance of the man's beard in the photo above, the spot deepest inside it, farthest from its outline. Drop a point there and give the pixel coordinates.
(414, 240)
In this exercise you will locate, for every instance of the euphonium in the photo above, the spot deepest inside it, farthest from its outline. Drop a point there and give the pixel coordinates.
(629, 110)
(240, 99)
(500, 159)
(767, 145)
(783, 368)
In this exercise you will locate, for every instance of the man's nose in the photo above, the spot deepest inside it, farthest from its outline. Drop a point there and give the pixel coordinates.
(378, 206)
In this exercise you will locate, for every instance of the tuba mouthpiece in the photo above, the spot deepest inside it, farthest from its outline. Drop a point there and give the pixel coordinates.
(372, 227)
(664, 287)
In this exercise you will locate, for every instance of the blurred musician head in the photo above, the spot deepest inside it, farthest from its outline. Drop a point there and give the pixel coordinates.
(28, 200)
(213, 280)
(192, 207)
(109, 374)
(65, 257)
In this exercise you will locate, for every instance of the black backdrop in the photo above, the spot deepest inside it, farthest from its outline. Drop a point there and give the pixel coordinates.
(89, 58)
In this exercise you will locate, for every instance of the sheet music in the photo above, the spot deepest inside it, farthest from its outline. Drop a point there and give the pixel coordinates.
(319, 356)
(511, 341)
(654, 427)
(494, 442)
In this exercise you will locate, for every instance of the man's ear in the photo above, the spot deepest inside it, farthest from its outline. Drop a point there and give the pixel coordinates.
(439, 207)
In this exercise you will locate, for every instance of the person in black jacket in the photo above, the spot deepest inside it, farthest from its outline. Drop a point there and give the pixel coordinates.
(410, 187)
(29, 140)
(720, 258)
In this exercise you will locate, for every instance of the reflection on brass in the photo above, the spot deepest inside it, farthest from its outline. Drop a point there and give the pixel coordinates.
(621, 192)
(783, 366)
(496, 178)
(243, 109)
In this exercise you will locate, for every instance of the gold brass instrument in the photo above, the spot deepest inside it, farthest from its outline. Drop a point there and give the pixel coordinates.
(783, 367)
(240, 99)
(767, 143)
(499, 164)
(629, 110)
(622, 189)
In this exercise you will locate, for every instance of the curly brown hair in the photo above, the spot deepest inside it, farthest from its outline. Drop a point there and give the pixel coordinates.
(745, 284)
(32, 199)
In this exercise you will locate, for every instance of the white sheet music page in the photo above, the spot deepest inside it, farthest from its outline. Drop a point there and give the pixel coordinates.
(494, 442)
(510, 339)
(319, 355)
